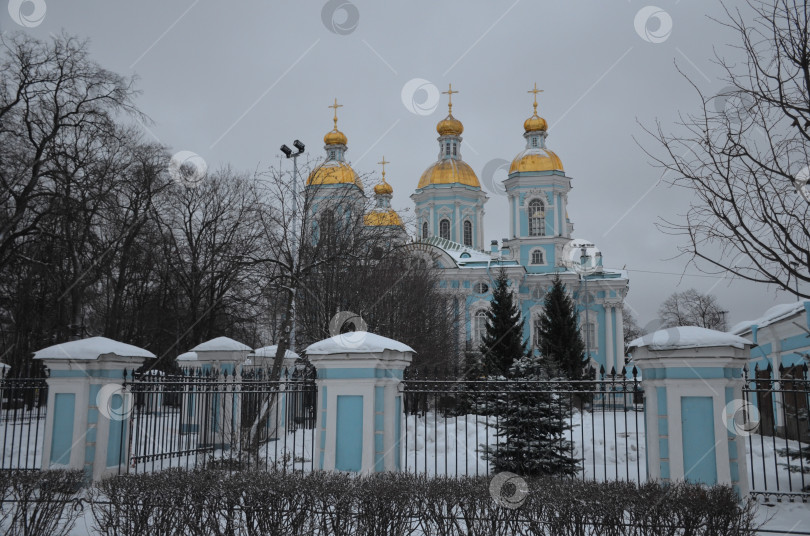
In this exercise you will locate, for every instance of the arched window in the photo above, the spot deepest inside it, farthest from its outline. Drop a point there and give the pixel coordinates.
(538, 293)
(468, 233)
(454, 150)
(589, 336)
(537, 218)
(447, 148)
(537, 331)
(424, 229)
(481, 287)
(534, 141)
(444, 229)
(479, 326)
(537, 257)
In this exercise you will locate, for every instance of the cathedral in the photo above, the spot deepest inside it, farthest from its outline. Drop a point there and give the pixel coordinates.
(449, 233)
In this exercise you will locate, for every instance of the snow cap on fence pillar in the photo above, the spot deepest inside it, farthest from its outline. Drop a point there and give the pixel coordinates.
(694, 405)
(88, 411)
(265, 355)
(359, 404)
(221, 352)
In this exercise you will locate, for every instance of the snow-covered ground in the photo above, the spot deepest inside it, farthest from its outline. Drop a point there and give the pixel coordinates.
(610, 445)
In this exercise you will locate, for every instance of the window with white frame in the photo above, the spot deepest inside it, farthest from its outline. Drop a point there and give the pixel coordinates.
(537, 218)
(444, 229)
(537, 257)
(424, 229)
(468, 233)
(481, 287)
(536, 328)
(479, 326)
(590, 335)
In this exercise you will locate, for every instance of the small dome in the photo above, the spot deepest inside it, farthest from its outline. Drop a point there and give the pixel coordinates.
(449, 171)
(449, 126)
(536, 159)
(335, 137)
(382, 218)
(334, 172)
(535, 124)
(383, 188)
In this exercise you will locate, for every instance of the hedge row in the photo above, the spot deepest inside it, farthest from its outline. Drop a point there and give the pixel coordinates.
(271, 503)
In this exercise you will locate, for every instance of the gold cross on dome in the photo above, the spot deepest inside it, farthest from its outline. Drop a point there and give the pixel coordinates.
(335, 107)
(449, 93)
(535, 91)
(383, 162)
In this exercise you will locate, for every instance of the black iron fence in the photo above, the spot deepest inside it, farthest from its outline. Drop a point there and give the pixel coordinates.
(775, 417)
(202, 418)
(23, 402)
(450, 423)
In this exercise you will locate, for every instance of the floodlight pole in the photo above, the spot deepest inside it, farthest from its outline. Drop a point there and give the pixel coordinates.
(289, 154)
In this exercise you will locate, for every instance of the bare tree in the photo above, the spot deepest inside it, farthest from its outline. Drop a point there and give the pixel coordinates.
(632, 330)
(691, 308)
(49, 91)
(744, 153)
(211, 233)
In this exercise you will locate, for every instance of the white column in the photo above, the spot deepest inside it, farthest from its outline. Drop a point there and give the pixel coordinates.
(610, 358)
(512, 215)
(432, 221)
(480, 227)
(619, 339)
(458, 224)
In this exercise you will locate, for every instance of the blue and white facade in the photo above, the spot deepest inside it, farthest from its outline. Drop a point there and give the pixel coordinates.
(449, 200)
(449, 211)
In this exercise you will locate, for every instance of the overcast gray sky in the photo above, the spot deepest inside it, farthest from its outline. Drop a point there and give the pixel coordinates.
(232, 81)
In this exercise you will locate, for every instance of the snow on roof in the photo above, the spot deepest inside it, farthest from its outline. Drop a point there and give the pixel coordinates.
(4, 366)
(221, 344)
(772, 315)
(687, 337)
(188, 356)
(270, 352)
(356, 342)
(461, 254)
(90, 349)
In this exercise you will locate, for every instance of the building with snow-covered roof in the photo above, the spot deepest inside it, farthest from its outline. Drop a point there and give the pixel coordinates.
(781, 335)
(780, 356)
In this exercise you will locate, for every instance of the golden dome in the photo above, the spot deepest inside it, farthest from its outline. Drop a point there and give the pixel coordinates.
(335, 137)
(449, 171)
(535, 124)
(382, 218)
(383, 188)
(334, 172)
(536, 159)
(449, 126)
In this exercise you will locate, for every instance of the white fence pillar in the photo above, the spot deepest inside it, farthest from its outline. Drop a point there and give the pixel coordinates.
(87, 422)
(694, 406)
(214, 411)
(360, 408)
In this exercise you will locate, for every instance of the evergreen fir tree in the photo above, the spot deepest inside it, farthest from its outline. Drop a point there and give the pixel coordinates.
(532, 425)
(560, 340)
(503, 342)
